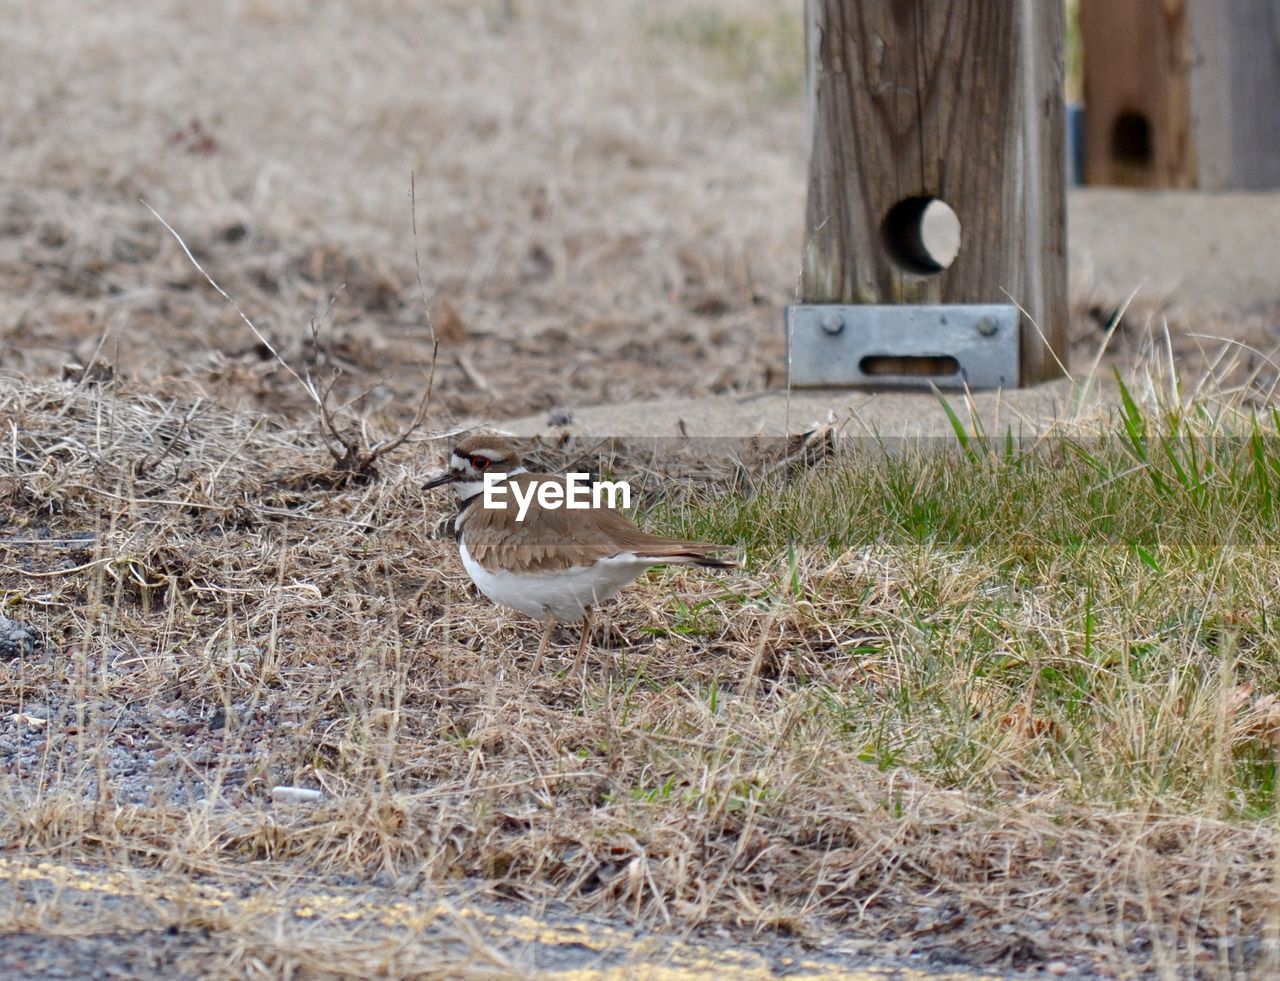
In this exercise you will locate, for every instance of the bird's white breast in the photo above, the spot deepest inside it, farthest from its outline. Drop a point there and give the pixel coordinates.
(564, 593)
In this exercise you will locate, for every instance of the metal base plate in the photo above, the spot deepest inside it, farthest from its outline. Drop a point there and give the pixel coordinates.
(897, 346)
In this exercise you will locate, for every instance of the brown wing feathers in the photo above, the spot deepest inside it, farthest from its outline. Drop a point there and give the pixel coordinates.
(557, 539)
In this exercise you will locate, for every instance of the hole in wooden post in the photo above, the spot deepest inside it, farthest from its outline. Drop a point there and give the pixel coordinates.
(878, 365)
(1131, 140)
(922, 234)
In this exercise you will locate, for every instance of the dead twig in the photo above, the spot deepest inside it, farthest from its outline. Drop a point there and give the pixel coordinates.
(352, 456)
(308, 387)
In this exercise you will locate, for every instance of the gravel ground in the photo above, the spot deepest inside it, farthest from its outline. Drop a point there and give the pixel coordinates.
(16, 639)
(140, 954)
(168, 745)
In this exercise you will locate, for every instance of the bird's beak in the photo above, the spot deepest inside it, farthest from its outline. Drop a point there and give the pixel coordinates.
(440, 480)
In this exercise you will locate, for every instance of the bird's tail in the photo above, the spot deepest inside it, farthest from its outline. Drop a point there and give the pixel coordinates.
(691, 553)
(715, 562)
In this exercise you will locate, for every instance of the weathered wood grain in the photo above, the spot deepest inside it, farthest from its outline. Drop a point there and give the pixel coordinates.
(961, 101)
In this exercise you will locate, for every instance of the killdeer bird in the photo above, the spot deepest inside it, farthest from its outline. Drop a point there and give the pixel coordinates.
(556, 563)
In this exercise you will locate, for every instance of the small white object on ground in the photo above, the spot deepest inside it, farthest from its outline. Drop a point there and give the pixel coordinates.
(295, 795)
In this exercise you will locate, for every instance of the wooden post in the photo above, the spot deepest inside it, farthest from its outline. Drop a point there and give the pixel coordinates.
(1137, 94)
(1182, 93)
(911, 100)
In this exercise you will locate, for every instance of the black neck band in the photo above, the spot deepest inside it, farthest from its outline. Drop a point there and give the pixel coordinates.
(462, 509)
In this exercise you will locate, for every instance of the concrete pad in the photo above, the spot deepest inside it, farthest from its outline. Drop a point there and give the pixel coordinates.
(1197, 252)
(1025, 412)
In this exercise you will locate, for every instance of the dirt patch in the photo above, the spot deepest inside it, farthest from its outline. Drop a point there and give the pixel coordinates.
(609, 203)
(570, 255)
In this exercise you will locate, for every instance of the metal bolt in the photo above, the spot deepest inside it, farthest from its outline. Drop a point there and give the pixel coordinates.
(987, 326)
(832, 322)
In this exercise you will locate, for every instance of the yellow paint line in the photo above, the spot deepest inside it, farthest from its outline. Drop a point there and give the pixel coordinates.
(636, 956)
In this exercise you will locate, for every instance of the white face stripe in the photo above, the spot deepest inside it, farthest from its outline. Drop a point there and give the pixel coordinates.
(469, 488)
(460, 464)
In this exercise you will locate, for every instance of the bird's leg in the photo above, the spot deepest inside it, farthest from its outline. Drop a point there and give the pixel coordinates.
(580, 662)
(546, 639)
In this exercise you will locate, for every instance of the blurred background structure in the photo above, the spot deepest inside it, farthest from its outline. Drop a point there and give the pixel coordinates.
(1181, 94)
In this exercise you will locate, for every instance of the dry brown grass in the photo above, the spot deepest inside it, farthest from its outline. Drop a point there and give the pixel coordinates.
(609, 204)
(216, 625)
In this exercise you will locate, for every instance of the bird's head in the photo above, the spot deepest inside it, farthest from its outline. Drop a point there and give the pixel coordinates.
(471, 459)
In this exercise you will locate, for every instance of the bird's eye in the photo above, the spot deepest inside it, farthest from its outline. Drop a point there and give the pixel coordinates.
(480, 463)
